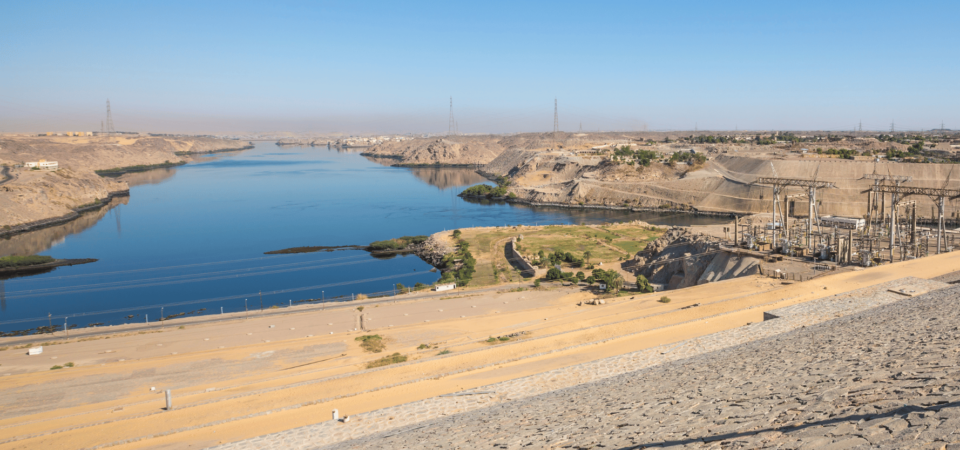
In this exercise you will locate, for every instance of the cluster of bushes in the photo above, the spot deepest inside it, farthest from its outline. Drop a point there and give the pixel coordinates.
(643, 157)
(613, 279)
(463, 275)
(643, 285)
(23, 261)
(398, 243)
(695, 158)
(558, 257)
(483, 190)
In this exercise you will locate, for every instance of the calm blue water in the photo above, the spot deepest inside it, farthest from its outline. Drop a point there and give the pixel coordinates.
(195, 236)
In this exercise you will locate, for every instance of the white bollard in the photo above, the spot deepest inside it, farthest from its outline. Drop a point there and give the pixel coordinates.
(336, 415)
(169, 400)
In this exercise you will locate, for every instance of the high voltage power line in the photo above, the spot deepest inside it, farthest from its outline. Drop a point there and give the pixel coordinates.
(164, 281)
(47, 279)
(194, 302)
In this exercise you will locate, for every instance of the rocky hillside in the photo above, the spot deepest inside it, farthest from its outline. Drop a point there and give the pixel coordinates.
(689, 259)
(725, 183)
(36, 195)
(459, 150)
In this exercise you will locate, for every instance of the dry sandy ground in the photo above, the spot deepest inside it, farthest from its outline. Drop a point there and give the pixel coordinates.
(250, 379)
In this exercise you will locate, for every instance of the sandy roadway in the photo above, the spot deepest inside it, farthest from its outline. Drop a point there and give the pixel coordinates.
(240, 379)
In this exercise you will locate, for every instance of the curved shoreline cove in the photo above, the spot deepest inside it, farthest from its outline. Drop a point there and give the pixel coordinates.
(192, 239)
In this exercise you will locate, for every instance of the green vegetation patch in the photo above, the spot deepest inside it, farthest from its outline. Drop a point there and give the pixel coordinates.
(395, 358)
(399, 243)
(372, 343)
(23, 261)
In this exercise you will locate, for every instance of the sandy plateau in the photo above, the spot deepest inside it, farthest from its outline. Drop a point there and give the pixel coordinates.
(234, 378)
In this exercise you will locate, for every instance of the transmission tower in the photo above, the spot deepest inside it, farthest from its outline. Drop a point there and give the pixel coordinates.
(110, 129)
(891, 126)
(556, 119)
(452, 126)
(860, 128)
(101, 128)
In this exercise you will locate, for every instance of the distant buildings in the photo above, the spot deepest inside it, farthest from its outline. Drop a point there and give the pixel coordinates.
(68, 133)
(42, 164)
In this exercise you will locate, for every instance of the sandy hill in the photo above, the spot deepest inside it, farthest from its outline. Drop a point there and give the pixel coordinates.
(37, 195)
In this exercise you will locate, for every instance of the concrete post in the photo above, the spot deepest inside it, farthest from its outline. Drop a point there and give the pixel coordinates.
(336, 415)
(940, 226)
(169, 400)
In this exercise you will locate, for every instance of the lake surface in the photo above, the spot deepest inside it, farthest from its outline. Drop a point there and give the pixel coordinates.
(194, 237)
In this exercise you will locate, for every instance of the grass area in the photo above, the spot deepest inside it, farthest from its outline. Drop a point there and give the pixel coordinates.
(23, 261)
(395, 358)
(399, 243)
(607, 243)
(372, 343)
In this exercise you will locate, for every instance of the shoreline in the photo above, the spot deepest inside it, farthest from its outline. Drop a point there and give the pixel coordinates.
(53, 221)
(247, 147)
(116, 172)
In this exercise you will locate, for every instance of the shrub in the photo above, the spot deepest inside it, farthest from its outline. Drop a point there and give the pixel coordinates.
(664, 299)
(504, 338)
(491, 340)
(387, 360)
(457, 234)
(423, 346)
(443, 352)
(69, 364)
(643, 285)
(536, 283)
(56, 367)
(360, 308)
(372, 343)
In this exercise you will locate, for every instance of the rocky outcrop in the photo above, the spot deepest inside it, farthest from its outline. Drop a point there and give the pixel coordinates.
(687, 259)
(432, 251)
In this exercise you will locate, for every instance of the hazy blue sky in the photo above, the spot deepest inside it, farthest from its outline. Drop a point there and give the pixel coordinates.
(391, 66)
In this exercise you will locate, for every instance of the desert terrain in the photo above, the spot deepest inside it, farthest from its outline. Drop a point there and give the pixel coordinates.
(235, 377)
(30, 197)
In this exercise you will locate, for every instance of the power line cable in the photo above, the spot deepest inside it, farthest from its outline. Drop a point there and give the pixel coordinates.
(166, 283)
(193, 302)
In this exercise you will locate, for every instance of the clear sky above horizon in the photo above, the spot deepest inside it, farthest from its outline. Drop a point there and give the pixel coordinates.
(390, 67)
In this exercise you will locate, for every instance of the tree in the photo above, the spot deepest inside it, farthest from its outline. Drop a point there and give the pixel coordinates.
(536, 283)
(581, 276)
(587, 255)
(643, 285)
(400, 287)
(554, 274)
(456, 234)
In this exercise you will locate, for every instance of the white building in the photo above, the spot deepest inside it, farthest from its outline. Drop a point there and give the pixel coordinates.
(848, 223)
(42, 164)
(445, 287)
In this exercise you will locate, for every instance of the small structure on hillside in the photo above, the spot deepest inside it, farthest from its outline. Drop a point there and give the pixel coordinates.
(42, 164)
(445, 287)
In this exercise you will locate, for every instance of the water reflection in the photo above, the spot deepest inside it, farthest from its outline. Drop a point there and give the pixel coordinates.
(155, 176)
(37, 241)
(444, 178)
(600, 215)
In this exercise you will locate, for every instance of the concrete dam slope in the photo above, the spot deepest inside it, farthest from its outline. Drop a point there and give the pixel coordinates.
(880, 378)
(723, 184)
